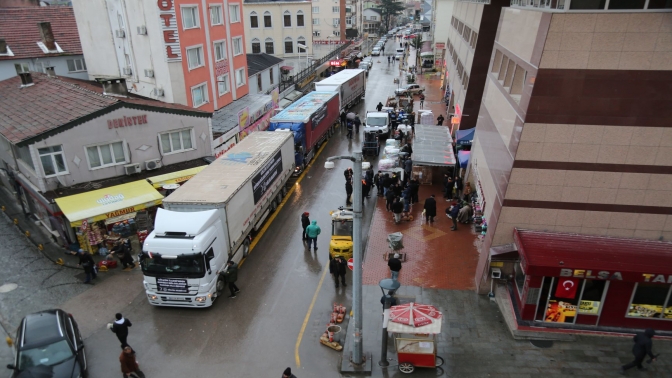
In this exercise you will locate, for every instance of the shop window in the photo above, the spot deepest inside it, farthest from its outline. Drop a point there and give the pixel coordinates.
(176, 141)
(106, 155)
(648, 301)
(591, 299)
(563, 300)
(519, 277)
(53, 161)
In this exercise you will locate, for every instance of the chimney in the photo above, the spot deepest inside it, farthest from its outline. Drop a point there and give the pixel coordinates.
(26, 79)
(51, 71)
(114, 87)
(3, 46)
(47, 35)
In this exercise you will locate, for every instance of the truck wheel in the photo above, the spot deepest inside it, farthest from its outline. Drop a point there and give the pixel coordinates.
(284, 191)
(220, 287)
(274, 205)
(246, 248)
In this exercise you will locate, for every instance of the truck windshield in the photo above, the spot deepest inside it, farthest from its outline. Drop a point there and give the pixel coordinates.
(342, 228)
(376, 121)
(189, 266)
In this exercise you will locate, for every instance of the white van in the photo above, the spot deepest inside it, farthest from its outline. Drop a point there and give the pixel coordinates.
(400, 51)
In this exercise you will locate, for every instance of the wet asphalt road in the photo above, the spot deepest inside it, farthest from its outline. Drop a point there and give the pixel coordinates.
(255, 334)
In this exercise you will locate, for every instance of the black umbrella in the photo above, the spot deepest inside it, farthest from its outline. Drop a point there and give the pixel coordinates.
(39, 371)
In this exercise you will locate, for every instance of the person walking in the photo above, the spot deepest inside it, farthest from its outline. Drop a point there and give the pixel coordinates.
(430, 209)
(448, 185)
(288, 373)
(347, 173)
(305, 221)
(349, 127)
(395, 266)
(120, 328)
(389, 198)
(337, 267)
(87, 263)
(129, 365)
(415, 188)
(408, 168)
(643, 345)
(452, 212)
(397, 209)
(348, 192)
(388, 62)
(439, 120)
(312, 233)
(231, 276)
(125, 258)
(379, 107)
(422, 100)
(385, 182)
(358, 123)
(343, 117)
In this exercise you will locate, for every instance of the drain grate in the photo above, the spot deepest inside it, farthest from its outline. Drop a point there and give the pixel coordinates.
(542, 343)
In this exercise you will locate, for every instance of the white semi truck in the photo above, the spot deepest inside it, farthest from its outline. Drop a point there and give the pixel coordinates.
(350, 85)
(209, 219)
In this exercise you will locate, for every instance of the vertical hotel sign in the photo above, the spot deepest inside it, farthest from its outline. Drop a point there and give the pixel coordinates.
(171, 39)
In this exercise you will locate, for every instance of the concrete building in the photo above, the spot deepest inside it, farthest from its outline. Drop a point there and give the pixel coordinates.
(34, 38)
(572, 162)
(442, 12)
(329, 21)
(372, 21)
(471, 35)
(264, 72)
(178, 51)
(63, 136)
(278, 27)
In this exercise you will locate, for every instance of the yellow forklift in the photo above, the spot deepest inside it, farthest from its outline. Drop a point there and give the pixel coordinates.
(341, 233)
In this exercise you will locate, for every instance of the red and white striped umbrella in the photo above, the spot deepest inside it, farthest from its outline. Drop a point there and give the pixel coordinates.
(414, 314)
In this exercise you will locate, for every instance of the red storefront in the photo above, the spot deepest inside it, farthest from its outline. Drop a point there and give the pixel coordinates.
(592, 282)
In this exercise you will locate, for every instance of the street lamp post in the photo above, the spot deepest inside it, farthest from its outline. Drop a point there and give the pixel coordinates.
(357, 250)
(391, 286)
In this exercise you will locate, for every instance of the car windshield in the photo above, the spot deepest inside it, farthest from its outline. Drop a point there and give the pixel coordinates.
(154, 265)
(342, 228)
(50, 355)
(376, 121)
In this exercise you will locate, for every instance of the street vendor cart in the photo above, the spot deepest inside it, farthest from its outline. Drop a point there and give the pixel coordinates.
(415, 327)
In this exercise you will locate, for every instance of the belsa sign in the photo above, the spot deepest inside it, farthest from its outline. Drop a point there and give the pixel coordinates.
(607, 275)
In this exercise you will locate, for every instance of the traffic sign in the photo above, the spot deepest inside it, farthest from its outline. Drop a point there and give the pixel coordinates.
(351, 264)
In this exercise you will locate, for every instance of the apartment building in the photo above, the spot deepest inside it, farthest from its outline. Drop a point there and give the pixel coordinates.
(278, 27)
(329, 21)
(442, 11)
(179, 51)
(372, 21)
(572, 162)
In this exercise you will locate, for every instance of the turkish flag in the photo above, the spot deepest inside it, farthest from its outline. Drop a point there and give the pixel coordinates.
(566, 288)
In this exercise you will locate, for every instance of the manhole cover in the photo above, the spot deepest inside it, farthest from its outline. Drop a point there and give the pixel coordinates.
(6, 288)
(542, 343)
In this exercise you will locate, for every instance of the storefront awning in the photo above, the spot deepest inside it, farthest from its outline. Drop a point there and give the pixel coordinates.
(465, 137)
(174, 177)
(287, 68)
(433, 146)
(586, 256)
(109, 202)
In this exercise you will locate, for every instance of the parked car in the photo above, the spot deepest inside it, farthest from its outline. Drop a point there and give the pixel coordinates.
(410, 89)
(398, 56)
(375, 51)
(49, 341)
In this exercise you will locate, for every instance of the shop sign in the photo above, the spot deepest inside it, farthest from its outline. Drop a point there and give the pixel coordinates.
(588, 274)
(439, 45)
(117, 213)
(260, 125)
(589, 307)
(109, 199)
(244, 117)
(126, 121)
(171, 40)
(221, 149)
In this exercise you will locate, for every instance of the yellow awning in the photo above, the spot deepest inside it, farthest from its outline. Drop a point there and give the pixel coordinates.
(175, 177)
(109, 202)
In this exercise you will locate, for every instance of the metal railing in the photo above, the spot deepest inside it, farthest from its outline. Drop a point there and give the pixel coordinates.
(299, 77)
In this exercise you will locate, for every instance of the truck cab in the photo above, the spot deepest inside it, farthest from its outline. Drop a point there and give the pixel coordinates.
(378, 122)
(341, 233)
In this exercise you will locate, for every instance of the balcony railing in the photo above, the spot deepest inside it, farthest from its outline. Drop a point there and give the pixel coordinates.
(299, 77)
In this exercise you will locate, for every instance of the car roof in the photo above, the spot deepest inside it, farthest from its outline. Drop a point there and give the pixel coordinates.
(42, 326)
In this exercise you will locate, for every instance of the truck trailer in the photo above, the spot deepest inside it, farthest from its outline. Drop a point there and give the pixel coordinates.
(208, 221)
(349, 84)
(311, 119)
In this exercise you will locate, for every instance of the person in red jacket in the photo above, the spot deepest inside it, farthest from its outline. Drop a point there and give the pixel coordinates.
(128, 363)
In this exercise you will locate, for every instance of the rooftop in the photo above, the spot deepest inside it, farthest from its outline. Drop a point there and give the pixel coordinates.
(260, 62)
(55, 104)
(18, 27)
(226, 118)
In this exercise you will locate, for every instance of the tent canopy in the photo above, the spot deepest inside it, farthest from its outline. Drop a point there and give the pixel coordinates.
(433, 146)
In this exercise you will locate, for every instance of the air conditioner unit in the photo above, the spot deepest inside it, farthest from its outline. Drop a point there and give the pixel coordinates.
(120, 33)
(142, 30)
(149, 73)
(158, 92)
(127, 71)
(153, 164)
(132, 169)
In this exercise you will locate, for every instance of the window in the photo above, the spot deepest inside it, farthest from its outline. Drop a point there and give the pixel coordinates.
(259, 83)
(336, 9)
(189, 17)
(76, 65)
(223, 84)
(220, 50)
(21, 67)
(497, 62)
(237, 45)
(316, 9)
(337, 22)
(53, 161)
(195, 57)
(502, 70)
(199, 95)
(465, 80)
(518, 81)
(373, 18)
(106, 155)
(287, 19)
(348, 21)
(509, 74)
(267, 20)
(176, 141)
(316, 32)
(270, 75)
(256, 46)
(240, 77)
(519, 278)
(299, 19)
(301, 41)
(234, 13)
(268, 45)
(254, 20)
(337, 33)
(215, 15)
(316, 21)
(563, 300)
(474, 38)
(591, 299)
(289, 46)
(650, 300)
